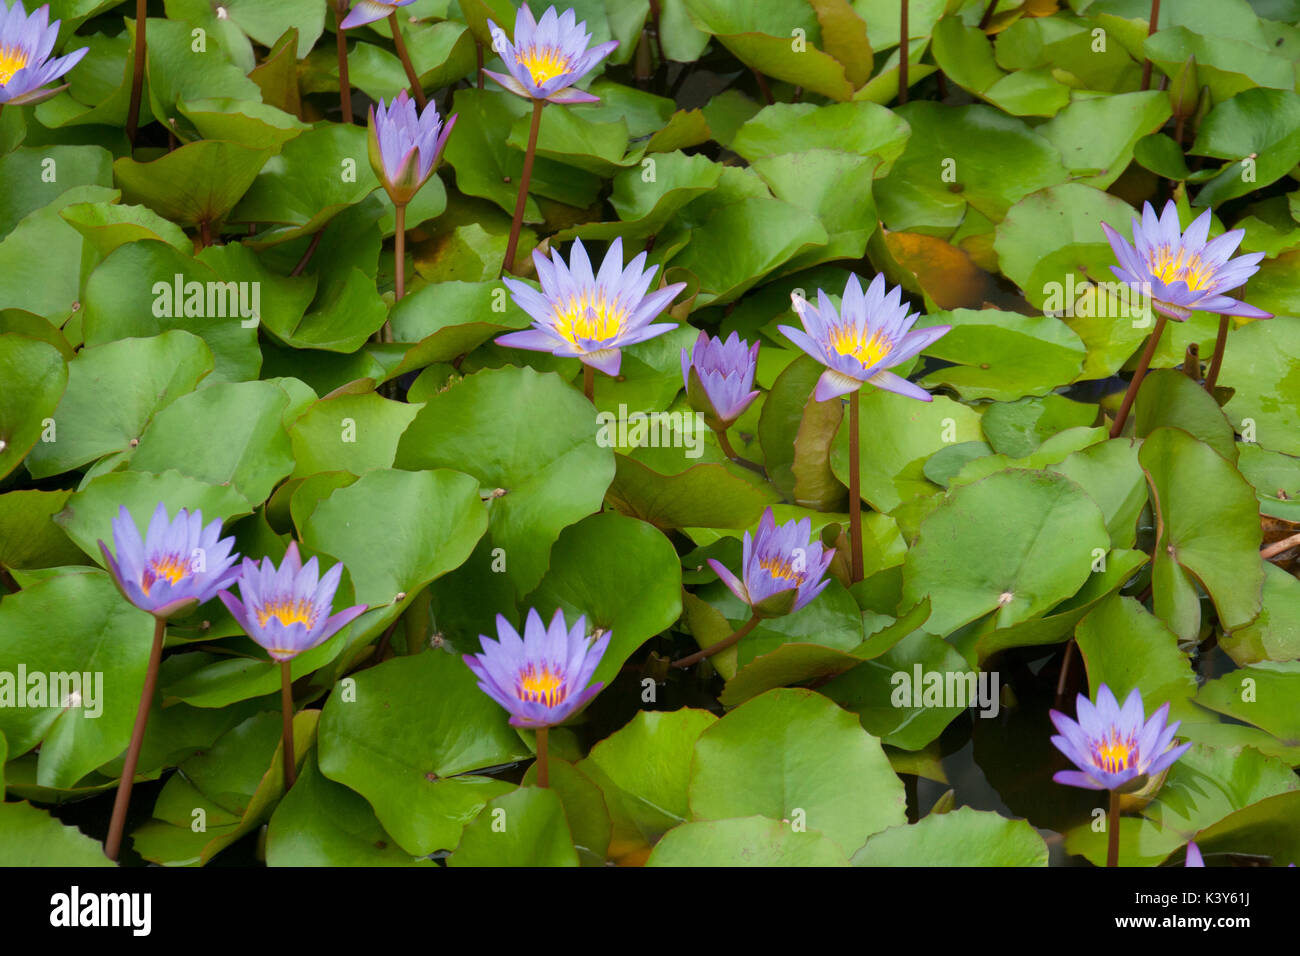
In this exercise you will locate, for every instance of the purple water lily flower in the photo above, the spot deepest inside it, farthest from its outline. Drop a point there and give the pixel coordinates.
(719, 378)
(368, 11)
(1194, 857)
(540, 678)
(868, 336)
(1113, 747)
(783, 569)
(547, 56)
(405, 145)
(287, 610)
(590, 316)
(178, 565)
(25, 64)
(1182, 271)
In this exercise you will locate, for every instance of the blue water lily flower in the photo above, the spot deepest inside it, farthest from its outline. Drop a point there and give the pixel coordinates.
(590, 315)
(719, 378)
(179, 564)
(405, 144)
(781, 568)
(547, 56)
(26, 42)
(368, 11)
(1113, 746)
(870, 334)
(540, 678)
(287, 609)
(1183, 271)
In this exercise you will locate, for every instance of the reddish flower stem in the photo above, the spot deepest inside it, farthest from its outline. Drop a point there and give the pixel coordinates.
(286, 705)
(117, 826)
(345, 84)
(730, 452)
(589, 383)
(1140, 373)
(855, 492)
(1151, 28)
(1112, 831)
(721, 645)
(1216, 362)
(904, 48)
(137, 74)
(399, 250)
(543, 770)
(525, 177)
(988, 14)
(411, 76)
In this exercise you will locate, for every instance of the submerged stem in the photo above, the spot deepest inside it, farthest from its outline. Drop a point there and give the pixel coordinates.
(721, 645)
(522, 201)
(113, 845)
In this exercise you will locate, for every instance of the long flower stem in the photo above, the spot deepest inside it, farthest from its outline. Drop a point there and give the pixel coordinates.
(286, 705)
(855, 492)
(543, 770)
(399, 251)
(721, 645)
(988, 14)
(1140, 373)
(345, 84)
(113, 845)
(730, 452)
(589, 382)
(1216, 363)
(1112, 831)
(1151, 28)
(137, 74)
(904, 48)
(521, 202)
(402, 54)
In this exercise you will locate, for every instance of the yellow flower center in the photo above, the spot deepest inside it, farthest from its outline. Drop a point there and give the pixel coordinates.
(589, 316)
(171, 567)
(869, 349)
(543, 63)
(779, 567)
(1183, 266)
(287, 612)
(12, 59)
(544, 687)
(1113, 754)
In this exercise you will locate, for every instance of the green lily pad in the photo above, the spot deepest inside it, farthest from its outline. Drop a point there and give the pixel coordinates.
(748, 841)
(526, 433)
(33, 376)
(964, 837)
(622, 574)
(791, 754)
(114, 390)
(1261, 365)
(409, 740)
(1208, 529)
(526, 827)
(1035, 533)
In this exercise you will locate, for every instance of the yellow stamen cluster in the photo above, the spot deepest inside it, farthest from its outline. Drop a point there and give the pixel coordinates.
(589, 315)
(287, 612)
(1169, 266)
(543, 63)
(544, 686)
(172, 567)
(869, 349)
(12, 59)
(779, 567)
(1113, 754)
